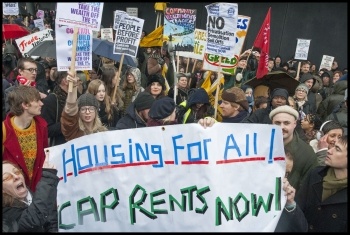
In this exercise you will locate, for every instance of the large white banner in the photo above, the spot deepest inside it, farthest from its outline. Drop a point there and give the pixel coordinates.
(221, 28)
(128, 34)
(81, 14)
(30, 41)
(64, 45)
(180, 178)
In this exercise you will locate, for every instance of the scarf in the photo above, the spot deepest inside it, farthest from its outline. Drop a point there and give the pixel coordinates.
(61, 95)
(331, 184)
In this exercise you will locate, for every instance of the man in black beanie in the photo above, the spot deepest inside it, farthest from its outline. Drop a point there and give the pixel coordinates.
(279, 97)
(136, 115)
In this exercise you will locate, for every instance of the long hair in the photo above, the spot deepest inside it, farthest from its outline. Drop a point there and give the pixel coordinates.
(93, 89)
(97, 127)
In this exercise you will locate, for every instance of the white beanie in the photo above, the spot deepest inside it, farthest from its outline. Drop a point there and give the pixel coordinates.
(284, 109)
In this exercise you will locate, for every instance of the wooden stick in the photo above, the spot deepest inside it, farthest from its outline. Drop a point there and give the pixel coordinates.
(194, 66)
(217, 90)
(188, 62)
(74, 53)
(119, 74)
(298, 71)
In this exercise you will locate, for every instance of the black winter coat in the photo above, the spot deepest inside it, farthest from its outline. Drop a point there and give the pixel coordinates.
(41, 215)
(331, 215)
(130, 119)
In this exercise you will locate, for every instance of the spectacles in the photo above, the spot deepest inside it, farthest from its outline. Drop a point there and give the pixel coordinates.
(301, 90)
(32, 70)
(91, 109)
(92, 72)
(8, 176)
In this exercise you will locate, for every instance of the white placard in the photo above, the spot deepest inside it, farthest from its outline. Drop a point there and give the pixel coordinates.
(132, 11)
(302, 49)
(107, 34)
(83, 14)
(30, 41)
(10, 8)
(128, 34)
(39, 23)
(177, 178)
(221, 28)
(64, 42)
(327, 62)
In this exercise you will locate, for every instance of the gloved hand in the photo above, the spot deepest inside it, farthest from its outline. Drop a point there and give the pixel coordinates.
(160, 61)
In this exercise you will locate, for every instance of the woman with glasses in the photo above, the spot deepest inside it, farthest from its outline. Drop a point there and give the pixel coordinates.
(23, 210)
(79, 116)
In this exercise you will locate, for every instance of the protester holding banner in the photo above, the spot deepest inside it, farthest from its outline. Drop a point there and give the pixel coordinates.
(304, 158)
(137, 112)
(79, 116)
(30, 212)
(24, 133)
(234, 105)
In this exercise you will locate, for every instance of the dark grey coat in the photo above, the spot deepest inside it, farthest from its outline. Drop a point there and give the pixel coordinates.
(41, 214)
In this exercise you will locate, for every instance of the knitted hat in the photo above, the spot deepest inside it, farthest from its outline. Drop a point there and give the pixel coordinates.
(143, 101)
(284, 109)
(87, 99)
(162, 108)
(236, 95)
(156, 78)
(303, 87)
(280, 92)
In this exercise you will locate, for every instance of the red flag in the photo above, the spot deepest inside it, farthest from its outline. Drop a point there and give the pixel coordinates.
(262, 41)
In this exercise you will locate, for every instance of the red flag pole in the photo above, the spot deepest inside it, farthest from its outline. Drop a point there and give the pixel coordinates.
(262, 41)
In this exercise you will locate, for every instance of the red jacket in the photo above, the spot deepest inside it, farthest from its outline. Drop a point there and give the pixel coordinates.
(12, 150)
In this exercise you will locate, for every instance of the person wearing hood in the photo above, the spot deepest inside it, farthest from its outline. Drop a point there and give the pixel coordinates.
(197, 106)
(333, 101)
(327, 81)
(131, 87)
(309, 80)
(234, 105)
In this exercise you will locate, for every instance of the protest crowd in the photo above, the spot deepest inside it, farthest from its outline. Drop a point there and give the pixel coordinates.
(40, 111)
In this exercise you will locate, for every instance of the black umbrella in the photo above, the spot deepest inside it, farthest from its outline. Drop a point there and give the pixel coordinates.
(44, 49)
(275, 79)
(105, 48)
